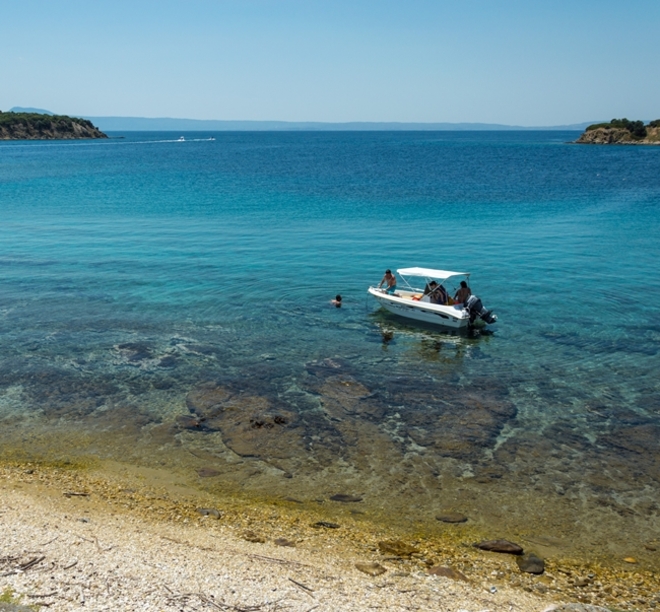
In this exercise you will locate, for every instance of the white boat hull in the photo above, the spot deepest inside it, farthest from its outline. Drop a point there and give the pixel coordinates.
(403, 304)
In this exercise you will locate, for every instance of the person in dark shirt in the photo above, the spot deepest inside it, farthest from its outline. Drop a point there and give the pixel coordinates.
(436, 293)
(439, 296)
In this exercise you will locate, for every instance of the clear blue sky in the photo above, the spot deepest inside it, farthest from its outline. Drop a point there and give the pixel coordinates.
(525, 62)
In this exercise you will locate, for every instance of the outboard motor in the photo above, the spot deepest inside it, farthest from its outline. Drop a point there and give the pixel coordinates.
(476, 309)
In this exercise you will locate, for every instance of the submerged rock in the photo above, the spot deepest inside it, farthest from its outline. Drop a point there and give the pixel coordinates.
(343, 396)
(457, 423)
(207, 399)
(531, 564)
(452, 518)
(324, 367)
(136, 351)
(251, 536)
(326, 524)
(187, 421)
(212, 512)
(162, 383)
(500, 546)
(284, 542)
(345, 498)
(396, 548)
(249, 424)
(448, 572)
(169, 361)
(206, 472)
(372, 569)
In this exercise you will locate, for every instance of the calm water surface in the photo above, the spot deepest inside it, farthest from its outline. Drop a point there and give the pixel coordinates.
(167, 303)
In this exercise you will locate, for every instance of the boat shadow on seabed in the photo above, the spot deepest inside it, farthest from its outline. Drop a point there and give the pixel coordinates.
(427, 341)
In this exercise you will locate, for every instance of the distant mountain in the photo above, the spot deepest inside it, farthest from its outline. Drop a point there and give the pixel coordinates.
(167, 124)
(25, 109)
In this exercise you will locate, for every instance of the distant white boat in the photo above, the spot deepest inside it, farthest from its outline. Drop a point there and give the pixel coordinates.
(417, 303)
(181, 139)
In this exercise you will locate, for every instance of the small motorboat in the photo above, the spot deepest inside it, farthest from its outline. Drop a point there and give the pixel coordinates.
(426, 304)
(181, 139)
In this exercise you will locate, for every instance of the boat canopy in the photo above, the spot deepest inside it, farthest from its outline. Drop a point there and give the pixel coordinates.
(428, 273)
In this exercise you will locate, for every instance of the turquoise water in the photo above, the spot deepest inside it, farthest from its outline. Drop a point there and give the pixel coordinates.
(163, 302)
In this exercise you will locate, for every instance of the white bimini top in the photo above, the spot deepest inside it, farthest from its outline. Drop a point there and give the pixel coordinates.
(429, 273)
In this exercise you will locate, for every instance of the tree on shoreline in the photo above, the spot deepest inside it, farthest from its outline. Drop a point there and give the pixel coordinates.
(40, 126)
(637, 129)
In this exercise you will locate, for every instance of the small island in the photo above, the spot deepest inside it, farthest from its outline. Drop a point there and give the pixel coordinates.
(622, 131)
(36, 126)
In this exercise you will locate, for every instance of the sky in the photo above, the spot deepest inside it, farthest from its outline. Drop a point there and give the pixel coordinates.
(515, 62)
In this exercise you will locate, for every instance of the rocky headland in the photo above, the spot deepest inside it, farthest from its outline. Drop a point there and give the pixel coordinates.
(622, 131)
(36, 126)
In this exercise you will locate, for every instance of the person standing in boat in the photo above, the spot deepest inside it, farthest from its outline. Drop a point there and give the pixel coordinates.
(463, 293)
(390, 280)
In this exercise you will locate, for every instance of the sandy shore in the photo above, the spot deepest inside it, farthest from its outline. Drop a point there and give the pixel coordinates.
(72, 540)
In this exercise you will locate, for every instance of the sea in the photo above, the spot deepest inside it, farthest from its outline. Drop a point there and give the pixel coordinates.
(166, 303)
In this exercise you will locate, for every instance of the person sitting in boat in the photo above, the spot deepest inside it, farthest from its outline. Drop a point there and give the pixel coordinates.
(390, 280)
(439, 295)
(463, 293)
(434, 293)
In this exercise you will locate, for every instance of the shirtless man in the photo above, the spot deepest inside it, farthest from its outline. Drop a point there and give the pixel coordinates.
(463, 293)
(390, 279)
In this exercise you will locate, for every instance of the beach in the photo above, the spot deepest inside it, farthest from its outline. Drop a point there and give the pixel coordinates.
(75, 539)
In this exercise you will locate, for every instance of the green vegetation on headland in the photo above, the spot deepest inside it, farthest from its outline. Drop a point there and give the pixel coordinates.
(622, 131)
(35, 126)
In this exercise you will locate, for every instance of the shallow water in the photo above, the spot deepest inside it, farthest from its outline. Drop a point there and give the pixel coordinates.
(167, 303)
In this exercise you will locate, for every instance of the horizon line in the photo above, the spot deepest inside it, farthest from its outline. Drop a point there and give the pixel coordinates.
(183, 124)
(138, 123)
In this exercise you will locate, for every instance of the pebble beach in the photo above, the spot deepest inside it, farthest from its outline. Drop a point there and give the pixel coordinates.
(120, 539)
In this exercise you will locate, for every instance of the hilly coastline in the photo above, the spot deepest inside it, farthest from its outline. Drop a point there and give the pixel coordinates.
(39, 126)
(164, 124)
(622, 131)
(170, 124)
